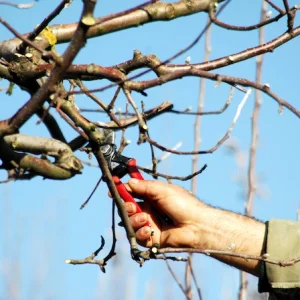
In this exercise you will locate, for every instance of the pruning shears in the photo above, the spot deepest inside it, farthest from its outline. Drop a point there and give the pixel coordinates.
(123, 166)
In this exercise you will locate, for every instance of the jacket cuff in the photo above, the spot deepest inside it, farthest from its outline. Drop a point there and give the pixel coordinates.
(282, 242)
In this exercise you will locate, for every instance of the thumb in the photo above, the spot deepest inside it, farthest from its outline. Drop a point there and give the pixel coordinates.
(173, 201)
(166, 198)
(150, 189)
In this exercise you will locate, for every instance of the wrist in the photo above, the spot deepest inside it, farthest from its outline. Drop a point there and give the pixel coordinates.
(227, 231)
(206, 233)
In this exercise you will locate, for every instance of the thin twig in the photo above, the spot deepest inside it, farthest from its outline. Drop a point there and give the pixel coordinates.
(167, 154)
(141, 121)
(253, 149)
(290, 15)
(124, 142)
(175, 277)
(90, 259)
(272, 4)
(21, 6)
(114, 237)
(79, 141)
(177, 54)
(172, 111)
(91, 194)
(219, 143)
(201, 98)
(196, 283)
(150, 172)
(262, 23)
(115, 195)
(57, 74)
(98, 101)
(68, 121)
(254, 137)
(22, 38)
(282, 263)
(111, 105)
(195, 158)
(51, 124)
(188, 276)
(204, 113)
(122, 13)
(178, 71)
(44, 24)
(143, 85)
(173, 258)
(168, 177)
(153, 158)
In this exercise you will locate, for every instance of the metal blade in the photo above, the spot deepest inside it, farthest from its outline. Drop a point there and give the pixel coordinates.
(109, 136)
(108, 146)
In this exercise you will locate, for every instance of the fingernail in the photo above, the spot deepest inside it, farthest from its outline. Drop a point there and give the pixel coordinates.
(129, 208)
(141, 218)
(133, 181)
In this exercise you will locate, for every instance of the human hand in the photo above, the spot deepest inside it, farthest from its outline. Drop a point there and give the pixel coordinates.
(195, 224)
(162, 199)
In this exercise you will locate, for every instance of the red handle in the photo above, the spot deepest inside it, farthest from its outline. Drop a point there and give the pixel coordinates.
(134, 173)
(124, 193)
(133, 170)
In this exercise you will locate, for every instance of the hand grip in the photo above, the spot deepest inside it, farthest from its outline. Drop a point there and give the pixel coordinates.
(124, 193)
(135, 173)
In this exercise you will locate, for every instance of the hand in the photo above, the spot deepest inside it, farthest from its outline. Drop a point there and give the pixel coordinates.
(162, 199)
(195, 224)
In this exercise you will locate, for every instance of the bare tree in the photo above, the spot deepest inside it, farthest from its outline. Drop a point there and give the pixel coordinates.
(56, 83)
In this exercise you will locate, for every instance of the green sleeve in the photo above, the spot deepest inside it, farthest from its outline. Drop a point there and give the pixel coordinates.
(282, 243)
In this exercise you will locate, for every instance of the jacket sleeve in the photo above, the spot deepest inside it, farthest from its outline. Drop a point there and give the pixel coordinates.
(282, 243)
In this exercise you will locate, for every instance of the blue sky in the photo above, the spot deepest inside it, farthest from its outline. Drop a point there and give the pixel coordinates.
(41, 224)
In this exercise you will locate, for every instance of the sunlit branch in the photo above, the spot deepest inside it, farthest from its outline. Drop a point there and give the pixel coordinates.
(21, 6)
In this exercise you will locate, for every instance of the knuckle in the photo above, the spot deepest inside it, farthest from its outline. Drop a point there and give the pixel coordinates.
(130, 208)
(141, 218)
(143, 233)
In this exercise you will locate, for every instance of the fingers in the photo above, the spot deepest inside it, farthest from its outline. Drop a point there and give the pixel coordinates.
(167, 200)
(138, 222)
(148, 189)
(130, 208)
(143, 234)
